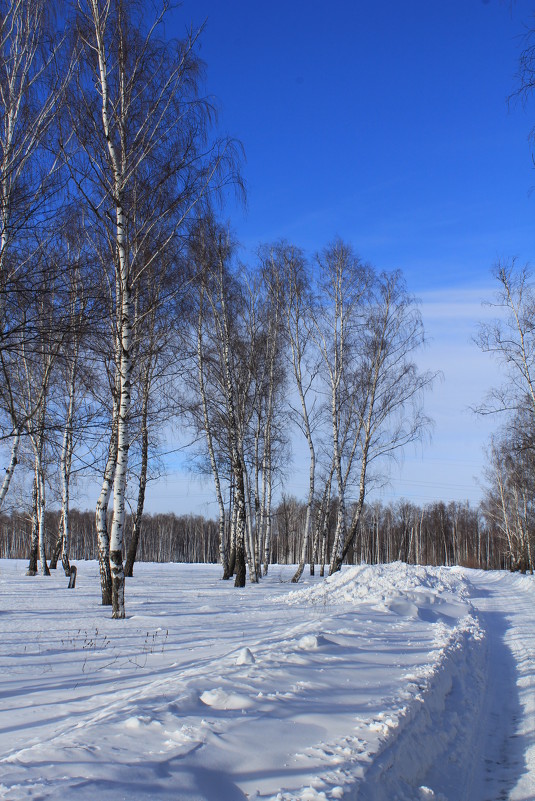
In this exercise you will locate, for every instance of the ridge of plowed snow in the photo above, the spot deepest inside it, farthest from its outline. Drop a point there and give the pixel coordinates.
(412, 590)
(375, 581)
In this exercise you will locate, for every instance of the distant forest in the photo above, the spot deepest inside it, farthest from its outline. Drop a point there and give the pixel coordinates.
(436, 534)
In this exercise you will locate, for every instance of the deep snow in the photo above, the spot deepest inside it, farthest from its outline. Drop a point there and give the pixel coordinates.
(381, 683)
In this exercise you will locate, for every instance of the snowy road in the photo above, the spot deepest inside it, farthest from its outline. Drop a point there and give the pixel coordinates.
(504, 757)
(385, 683)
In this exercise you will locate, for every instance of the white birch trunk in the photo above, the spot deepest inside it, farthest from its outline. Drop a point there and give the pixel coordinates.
(210, 443)
(101, 515)
(121, 467)
(123, 314)
(262, 522)
(256, 527)
(238, 468)
(41, 502)
(340, 535)
(65, 464)
(34, 534)
(233, 524)
(267, 537)
(11, 467)
(308, 520)
(367, 428)
(66, 543)
(249, 517)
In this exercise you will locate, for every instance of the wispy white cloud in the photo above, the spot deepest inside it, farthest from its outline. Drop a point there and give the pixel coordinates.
(451, 465)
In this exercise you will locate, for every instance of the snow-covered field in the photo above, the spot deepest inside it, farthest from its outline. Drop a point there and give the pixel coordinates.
(382, 683)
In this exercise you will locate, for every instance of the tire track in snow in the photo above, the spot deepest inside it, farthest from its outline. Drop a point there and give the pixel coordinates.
(504, 756)
(423, 757)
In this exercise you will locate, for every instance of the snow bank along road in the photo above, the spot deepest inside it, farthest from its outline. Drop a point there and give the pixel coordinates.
(382, 683)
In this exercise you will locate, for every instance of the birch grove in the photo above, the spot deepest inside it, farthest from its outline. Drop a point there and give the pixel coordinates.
(434, 533)
(333, 356)
(126, 309)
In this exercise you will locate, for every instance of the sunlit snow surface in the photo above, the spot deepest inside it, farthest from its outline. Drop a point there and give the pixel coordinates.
(382, 683)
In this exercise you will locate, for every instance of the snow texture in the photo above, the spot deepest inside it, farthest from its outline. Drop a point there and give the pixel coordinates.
(383, 683)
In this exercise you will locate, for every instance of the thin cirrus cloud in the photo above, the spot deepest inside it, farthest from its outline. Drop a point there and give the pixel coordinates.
(450, 466)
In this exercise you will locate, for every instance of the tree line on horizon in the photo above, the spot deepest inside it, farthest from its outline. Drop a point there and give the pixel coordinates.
(434, 534)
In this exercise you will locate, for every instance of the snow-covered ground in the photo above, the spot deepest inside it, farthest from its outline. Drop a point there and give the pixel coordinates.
(382, 683)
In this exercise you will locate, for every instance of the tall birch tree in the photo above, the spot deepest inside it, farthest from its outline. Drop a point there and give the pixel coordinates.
(384, 410)
(144, 162)
(368, 329)
(290, 278)
(31, 94)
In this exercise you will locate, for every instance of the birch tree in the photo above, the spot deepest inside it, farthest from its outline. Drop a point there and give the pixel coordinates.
(271, 408)
(223, 298)
(238, 385)
(206, 407)
(345, 285)
(509, 502)
(238, 402)
(368, 329)
(156, 331)
(145, 163)
(31, 94)
(259, 377)
(76, 405)
(385, 401)
(290, 278)
(510, 339)
(38, 359)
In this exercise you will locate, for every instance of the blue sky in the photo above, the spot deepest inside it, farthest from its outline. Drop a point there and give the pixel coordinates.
(386, 123)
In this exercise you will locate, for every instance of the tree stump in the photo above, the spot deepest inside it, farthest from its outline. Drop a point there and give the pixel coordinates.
(72, 577)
